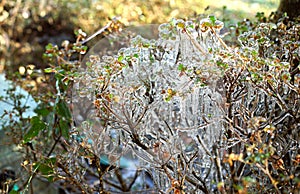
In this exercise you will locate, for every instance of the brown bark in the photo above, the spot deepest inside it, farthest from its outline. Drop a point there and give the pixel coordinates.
(291, 7)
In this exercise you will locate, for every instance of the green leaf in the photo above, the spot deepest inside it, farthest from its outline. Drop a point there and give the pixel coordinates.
(181, 67)
(84, 48)
(51, 160)
(42, 110)
(49, 46)
(50, 55)
(63, 109)
(49, 70)
(88, 64)
(64, 127)
(62, 71)
(152, 58)
(36, 126)
(120, 58)
(13, 192)
(128, 58)
(46, 169)
(168, 98)
(76, 32)
(213, 19)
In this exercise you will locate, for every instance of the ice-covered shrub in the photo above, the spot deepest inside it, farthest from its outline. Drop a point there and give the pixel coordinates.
(155, 100)
(180, 113)
(195, 115)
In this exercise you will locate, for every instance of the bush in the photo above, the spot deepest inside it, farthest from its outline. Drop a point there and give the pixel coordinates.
(183, 113)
